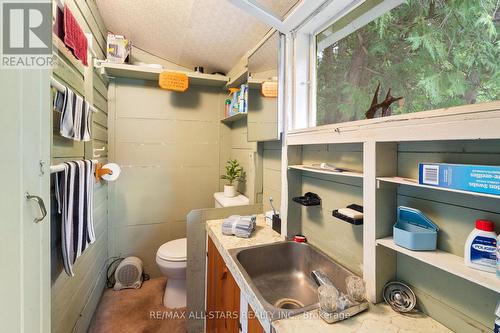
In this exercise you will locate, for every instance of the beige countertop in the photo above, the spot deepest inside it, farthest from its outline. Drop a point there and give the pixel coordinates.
(379, 318)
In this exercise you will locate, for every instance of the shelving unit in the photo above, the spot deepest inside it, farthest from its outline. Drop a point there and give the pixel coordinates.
(326, 172)
(233, 118)
(382, 190)
(414, 182)
(152, 74)
(447, 262)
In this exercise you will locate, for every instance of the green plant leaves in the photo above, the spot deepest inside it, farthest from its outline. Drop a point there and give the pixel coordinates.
(234, 172)
(436, 54)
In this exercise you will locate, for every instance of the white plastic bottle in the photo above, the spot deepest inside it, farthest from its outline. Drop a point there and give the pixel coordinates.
(497, 320)
(498, 263)
(481, 246)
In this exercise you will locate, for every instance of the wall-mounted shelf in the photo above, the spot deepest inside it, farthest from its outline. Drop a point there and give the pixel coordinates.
(152, 74)
(238, 80)
(233, 118)
(254, 83)
(326, 172)
(447, 262)
(348, 219)
(414, 182)
(309, 199)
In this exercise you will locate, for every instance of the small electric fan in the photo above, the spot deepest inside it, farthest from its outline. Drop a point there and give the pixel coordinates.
(128, 274)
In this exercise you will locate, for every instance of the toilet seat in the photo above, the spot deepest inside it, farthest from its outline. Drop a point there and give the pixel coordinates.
(175, 250)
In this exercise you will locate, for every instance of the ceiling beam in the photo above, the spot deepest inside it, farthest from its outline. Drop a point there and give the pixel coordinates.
(296, 17)
(259, 12)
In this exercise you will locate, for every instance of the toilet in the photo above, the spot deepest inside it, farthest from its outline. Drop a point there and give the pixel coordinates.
(171, 259)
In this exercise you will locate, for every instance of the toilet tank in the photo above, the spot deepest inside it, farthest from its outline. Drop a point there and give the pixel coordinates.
(222, 201)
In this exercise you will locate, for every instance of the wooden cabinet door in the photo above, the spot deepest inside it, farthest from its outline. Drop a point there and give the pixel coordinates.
(254, 325)
(212, 270)
(223, 295)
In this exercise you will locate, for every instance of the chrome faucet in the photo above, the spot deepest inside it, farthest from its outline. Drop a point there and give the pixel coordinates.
(320, 278)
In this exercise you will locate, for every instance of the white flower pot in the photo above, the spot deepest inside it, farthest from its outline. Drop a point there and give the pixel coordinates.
(230, 191)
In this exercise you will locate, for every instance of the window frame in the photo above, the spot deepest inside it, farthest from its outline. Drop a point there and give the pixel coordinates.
(304, 58)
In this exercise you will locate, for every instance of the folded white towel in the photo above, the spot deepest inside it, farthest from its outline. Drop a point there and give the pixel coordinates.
(240, 226)
(75, 115)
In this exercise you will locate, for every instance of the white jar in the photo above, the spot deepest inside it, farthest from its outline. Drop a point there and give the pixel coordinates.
(480, 247)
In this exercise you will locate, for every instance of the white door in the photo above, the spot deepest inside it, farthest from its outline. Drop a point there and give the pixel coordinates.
(24, 236)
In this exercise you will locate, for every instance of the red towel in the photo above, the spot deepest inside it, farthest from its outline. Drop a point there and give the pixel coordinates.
(74, 37)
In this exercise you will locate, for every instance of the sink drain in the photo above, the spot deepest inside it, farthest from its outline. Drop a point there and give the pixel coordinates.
(288, 304)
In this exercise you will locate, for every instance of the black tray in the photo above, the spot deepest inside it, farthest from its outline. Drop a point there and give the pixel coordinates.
(357, 208)
(308, 199)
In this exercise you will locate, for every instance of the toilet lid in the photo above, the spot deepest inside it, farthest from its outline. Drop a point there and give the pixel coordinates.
(175, 250)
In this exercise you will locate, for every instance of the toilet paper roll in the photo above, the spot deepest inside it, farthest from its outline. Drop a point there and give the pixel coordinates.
(115, 168)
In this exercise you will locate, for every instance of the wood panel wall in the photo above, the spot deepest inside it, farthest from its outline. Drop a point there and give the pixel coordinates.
(271, 177)
(74, 299)
(235, 145)
(168, 146)
(339, 239)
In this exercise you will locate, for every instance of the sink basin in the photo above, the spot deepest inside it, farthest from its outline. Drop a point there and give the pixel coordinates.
(280, 275)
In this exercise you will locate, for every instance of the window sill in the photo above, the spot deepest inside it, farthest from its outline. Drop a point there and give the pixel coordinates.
(475, 121)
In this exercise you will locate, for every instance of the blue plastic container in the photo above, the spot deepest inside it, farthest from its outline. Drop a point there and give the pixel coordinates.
(415, 231)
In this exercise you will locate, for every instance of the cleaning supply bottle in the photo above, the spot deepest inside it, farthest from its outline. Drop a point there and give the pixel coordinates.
(481, 246)
(498, 258)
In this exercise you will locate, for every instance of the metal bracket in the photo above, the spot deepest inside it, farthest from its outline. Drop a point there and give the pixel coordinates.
(42, 168)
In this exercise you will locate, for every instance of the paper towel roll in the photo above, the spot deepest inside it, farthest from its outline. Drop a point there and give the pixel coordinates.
(115, 168)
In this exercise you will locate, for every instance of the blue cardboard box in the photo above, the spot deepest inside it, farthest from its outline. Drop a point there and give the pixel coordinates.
(474, 178)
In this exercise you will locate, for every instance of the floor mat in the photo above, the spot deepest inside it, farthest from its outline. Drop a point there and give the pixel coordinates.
(137, 311)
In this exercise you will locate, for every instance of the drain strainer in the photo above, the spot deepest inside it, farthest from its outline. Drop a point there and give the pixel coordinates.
(288, 304)
(399, 296)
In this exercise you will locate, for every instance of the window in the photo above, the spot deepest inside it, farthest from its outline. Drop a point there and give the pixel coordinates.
(432, 53)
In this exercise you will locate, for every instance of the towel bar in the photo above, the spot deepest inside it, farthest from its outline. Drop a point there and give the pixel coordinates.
(99, 170)
(60, 87)
(60, 167)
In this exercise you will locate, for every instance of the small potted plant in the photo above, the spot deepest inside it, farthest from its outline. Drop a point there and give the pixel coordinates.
(234, 173)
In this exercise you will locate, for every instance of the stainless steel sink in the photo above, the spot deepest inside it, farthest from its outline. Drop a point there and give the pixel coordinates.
(279, 274)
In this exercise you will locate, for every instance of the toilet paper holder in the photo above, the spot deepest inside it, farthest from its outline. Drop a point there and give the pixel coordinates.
(101, 171)
(107, 172)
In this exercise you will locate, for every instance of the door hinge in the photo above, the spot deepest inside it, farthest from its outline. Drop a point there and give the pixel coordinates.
(42, 167)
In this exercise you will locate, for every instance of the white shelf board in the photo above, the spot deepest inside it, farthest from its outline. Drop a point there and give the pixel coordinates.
(152, 74)
(414, 182)
(447, 262)
(237, 81)
(326, 172)
(481, 121)
(234, 118)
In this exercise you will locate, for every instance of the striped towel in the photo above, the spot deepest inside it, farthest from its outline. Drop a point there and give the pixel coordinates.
(74, 194)
(75, 115)
(240, 226)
